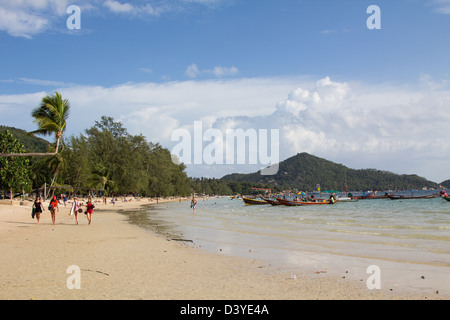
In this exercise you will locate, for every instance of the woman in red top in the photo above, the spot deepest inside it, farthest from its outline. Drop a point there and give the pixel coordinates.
(89, 210)
(53, 208)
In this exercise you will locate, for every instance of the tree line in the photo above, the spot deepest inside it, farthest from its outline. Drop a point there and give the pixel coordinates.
(104, 160)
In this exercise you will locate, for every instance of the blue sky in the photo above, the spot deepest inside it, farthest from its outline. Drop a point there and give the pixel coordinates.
(160, 65)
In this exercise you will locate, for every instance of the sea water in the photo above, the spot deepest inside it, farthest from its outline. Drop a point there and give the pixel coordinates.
(408, 239)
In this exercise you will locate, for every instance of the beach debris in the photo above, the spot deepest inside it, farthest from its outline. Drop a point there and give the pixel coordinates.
(423, 277)
(97, 271)
(294, 276)
(321, 271)
(250, 250)
(184, 240)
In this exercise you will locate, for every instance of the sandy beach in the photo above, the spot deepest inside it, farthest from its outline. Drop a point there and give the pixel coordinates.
(118, 260)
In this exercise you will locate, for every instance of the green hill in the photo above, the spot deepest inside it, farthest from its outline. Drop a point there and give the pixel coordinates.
(446, 184)
(304, 171)
(31, 143)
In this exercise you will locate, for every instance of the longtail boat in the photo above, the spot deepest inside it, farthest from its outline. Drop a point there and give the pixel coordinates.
(447, 198)
(301, 203)
(288, 202)
(273, 202)
(402, 197)
(372, 196)
(254, 201)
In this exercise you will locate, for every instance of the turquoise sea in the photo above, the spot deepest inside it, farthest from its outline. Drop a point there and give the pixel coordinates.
(408, 239)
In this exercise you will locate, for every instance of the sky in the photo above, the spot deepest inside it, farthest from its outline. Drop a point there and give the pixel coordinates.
(315, 70)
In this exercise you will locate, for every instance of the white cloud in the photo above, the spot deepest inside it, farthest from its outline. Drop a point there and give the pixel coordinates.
(223, 71)
(401, 129)
(26, 18)
(441, 6)
(192, 71)
(116, 6)
(146, 70)
(21, 24)
(133, 9)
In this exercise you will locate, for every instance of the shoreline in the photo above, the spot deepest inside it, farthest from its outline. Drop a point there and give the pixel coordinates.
(119, 260)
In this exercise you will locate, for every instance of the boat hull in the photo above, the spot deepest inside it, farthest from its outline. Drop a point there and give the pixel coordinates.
(412, 197)
(273, 202)
(254, 201)
(301, 203)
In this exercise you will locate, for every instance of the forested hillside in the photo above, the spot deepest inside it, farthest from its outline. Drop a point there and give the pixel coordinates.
(304, 171)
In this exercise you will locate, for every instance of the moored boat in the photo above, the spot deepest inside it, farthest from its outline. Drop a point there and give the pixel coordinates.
(371, 196)
(302, 203)
(254, 201)
(273, 202)
(286, 202)
(346, 199)
(404, 197)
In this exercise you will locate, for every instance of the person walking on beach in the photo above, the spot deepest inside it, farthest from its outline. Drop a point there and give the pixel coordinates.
(38, 208)
(53, 207)
(89, 210)
(193, 203)
(75, 208)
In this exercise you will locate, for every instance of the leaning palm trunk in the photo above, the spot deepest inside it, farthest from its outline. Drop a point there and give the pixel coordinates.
(4, 155)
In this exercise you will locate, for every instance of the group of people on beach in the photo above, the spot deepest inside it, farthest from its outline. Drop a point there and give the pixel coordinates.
(38, 208)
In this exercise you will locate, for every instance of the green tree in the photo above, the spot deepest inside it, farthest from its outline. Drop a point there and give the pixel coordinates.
(14, 171)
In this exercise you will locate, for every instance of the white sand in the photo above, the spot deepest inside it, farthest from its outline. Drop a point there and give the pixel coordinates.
(118, 260)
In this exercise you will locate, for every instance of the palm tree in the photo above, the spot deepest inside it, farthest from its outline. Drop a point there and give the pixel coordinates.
(56, 163)
(50, 118)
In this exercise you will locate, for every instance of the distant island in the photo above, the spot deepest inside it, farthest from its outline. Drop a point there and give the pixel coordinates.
(304, 172)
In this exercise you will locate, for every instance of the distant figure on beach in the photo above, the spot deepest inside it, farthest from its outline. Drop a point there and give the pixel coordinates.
(38, 208)
(193, 203)
(65, 200)
(89, 210)
(53, 207)
(75, 209)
